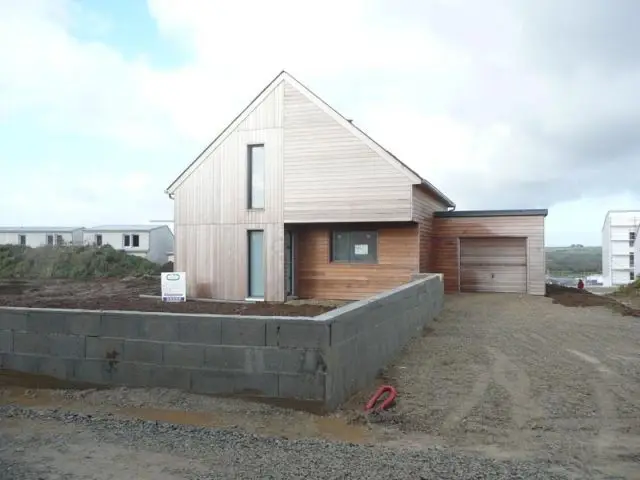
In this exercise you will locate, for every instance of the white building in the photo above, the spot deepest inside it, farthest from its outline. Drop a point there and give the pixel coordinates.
(618, 242)
(154, 242)
(636, 253)
(40, 236)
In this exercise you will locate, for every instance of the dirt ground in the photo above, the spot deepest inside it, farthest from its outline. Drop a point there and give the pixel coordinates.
(505, 377)
(572, 297)
(119, 294)
(524, 377)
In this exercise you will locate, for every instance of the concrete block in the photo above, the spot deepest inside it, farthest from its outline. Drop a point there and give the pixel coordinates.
(84, 323)
(143, 351)
(21, 363)
(123, 325)
(95, 371)
(183, 354)
(203, 330)
(216, 382)
(234, 358)
(147, 375)
(6, 341)
(170, 377)
(242, 331)
(162, 328)
(43, 321)
(13, 320)
(302, 387)
(298, 334)
(66, 346)
(104, 348)
(30, 343)
(61, 368)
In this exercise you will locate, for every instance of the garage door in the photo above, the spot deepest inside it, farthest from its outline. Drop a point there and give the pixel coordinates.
(493, 265)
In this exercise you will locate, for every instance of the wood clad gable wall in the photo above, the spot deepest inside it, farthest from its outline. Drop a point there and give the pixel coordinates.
(331, 175)
(448, 231)
(211, 215)
(423, 206)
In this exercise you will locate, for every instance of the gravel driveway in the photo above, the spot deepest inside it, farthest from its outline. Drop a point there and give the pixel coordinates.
(500, 386)
(520, 377)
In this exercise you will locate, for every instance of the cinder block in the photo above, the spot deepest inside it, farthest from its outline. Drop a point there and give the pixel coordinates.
(84, 323)
(143, 351)
(203, 330)
(298, 334)
(61, 368)
(183, 354)
(293, 360)
(43, 321)
(161, 328)
(122, 325)
(6, 341)
(104, 348)
(215, 382)
(21, 363)
(147, 375)
(170, 377)
(242, 331)
(303, 387)
(66, 346)
(30, 343)
(94, 371)
(13, 320)
(243, 359)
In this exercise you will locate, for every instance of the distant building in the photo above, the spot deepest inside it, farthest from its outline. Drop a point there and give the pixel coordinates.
(619, 232)
(153, 242)
(40, 236)
(636, 253)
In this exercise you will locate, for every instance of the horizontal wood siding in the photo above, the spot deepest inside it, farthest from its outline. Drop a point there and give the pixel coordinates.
(331, 176)
(211, 215)
(448, 231)
(423, 206)
(317, 277)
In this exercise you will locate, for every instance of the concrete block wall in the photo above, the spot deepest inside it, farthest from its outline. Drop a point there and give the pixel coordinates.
(261, 356)
(322, 359)
(367, 335)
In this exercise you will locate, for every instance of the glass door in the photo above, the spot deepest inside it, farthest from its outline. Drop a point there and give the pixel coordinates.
(256, 263)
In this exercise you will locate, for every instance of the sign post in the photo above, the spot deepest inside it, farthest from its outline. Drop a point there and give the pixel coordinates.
(174, 286)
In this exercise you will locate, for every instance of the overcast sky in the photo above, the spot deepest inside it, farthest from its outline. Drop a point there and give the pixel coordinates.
(499, 103)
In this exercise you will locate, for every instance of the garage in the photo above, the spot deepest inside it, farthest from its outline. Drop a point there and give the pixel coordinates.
(493, 264)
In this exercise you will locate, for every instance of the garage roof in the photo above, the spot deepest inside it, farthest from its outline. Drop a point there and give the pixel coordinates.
(494, 213)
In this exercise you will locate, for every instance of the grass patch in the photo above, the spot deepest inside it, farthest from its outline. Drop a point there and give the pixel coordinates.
(71, 262)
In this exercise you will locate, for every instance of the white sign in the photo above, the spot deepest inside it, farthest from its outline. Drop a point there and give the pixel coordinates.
(361, 249)
(174, 286)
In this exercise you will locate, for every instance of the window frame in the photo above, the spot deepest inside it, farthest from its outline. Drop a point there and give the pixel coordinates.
(126, 240)
(59, 240)
(51, 237)
(632, 238)
(250, 170)
(632, 259)
(22, 240)
(98, 239)
(351, 258)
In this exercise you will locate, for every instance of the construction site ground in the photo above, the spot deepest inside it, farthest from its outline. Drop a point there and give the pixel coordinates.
(499, 386)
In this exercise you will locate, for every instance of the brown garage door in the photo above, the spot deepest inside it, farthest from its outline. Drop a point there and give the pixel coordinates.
(496, 264)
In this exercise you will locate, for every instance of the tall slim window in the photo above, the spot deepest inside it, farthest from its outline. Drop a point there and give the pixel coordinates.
(632, 260)
(632, 238)
(255, 176)
(23, 240)
(99, 240)
(255, 264)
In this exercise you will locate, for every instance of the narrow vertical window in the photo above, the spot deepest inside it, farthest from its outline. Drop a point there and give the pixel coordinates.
(99, 240)
(49, 239)
(255, 176)
(135, 240)
(23, 240)
(255, 263)
(126, 240)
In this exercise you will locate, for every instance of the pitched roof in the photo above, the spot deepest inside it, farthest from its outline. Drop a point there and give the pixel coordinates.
(349, 125)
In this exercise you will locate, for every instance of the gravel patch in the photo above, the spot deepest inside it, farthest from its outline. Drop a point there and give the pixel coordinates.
(48, 444)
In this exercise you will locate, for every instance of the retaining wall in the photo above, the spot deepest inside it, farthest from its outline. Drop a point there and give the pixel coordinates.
(323, 359)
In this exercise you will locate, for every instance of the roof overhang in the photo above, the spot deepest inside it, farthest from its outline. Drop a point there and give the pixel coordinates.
(493, 213)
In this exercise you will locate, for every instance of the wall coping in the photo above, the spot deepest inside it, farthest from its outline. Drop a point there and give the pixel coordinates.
(159, 314)
(331, 315)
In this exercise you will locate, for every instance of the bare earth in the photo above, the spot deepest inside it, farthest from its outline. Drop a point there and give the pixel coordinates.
(496, 381)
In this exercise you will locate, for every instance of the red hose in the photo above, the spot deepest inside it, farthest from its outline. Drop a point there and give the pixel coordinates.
(386, 403)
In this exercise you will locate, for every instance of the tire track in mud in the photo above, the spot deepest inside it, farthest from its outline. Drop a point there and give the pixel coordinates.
(453, 419)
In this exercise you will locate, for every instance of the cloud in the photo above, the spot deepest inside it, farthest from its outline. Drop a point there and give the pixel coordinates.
(502, 103)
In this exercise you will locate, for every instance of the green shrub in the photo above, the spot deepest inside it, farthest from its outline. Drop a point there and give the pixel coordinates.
(71, 262)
